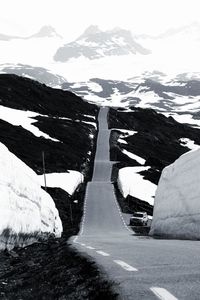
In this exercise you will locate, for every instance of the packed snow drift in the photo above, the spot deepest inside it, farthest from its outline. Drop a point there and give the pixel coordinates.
(177, 201)
(130, 182)
(26, 211)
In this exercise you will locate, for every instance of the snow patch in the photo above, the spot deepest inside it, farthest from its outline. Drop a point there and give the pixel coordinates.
(23, 118)
(139, 159)
(66, 181)
(189, 143)
(121, 141)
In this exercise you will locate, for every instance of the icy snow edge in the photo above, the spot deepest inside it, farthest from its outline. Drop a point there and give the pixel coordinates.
(27, 212)
(177, 205)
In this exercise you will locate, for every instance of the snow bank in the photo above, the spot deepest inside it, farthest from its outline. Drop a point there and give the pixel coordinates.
(66, 181)
(132, 183)
(25, 209)
(177, 201)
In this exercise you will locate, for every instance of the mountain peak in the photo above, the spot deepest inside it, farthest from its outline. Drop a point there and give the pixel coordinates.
(92, 29)
(95, 44)
(46, 31)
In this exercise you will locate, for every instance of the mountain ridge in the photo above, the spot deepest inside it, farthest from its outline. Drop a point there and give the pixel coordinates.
(95, 44)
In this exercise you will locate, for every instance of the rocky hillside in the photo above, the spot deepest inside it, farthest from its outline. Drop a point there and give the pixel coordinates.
(34, 119)
(67, 119)
(143, 138)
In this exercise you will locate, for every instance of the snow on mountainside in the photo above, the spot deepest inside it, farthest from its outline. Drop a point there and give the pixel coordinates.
(144, 142)
(27, 212)
(59, 114)
(177, 97)
(36, 73)
(95, 44)
(36, 119)
(177, 205)
(101, 54)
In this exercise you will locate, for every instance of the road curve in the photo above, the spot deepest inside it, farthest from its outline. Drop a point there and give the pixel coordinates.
(143, 268)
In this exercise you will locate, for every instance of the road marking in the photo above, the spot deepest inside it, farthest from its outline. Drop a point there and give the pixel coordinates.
(125, 266)
(82, 244)
(163, 294)
(102, 253)
(90, 247)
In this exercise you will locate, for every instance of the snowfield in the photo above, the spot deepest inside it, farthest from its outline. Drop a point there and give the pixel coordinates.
(177, 202)
(25, 208)
(66, 181)
(132, 183)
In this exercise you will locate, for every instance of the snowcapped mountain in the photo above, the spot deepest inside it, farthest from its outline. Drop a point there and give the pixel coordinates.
(95, 44)
(46, 31)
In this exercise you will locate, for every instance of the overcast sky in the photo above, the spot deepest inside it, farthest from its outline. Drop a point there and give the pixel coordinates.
(70, 18)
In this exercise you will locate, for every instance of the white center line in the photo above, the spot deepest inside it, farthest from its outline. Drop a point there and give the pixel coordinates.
(102, 253)
(125, 266)
(162, 294)
(90, 247)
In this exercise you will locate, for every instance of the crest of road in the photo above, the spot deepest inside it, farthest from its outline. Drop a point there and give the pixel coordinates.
(141, 267)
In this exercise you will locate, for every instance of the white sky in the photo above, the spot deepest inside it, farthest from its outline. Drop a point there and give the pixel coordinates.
(70, 18)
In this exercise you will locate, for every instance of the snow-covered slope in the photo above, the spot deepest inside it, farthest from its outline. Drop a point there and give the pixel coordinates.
(177, 97)
(37, 121)
(142, 143)
(95, 44)
(26, 211)
(177, 202)
(36, 73)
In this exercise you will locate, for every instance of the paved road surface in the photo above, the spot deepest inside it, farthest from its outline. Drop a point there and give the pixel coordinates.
(144, 268)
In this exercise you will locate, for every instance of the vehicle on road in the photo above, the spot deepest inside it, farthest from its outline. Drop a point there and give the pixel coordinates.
(139, 218)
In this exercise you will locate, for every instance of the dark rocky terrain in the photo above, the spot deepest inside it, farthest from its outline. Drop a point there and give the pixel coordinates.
(54, 106)
(51, 269)
(156, 141)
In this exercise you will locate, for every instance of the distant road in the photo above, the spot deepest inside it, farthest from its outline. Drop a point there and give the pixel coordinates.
(144, 268)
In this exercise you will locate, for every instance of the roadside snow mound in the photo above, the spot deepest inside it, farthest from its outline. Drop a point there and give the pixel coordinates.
(26, 211)
(177, 201)
(130, 182)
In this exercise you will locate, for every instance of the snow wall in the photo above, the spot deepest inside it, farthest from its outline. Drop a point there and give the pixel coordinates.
(27, 212)
(177, 202)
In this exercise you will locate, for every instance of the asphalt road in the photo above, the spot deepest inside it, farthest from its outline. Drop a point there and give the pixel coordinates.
(142, 267)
